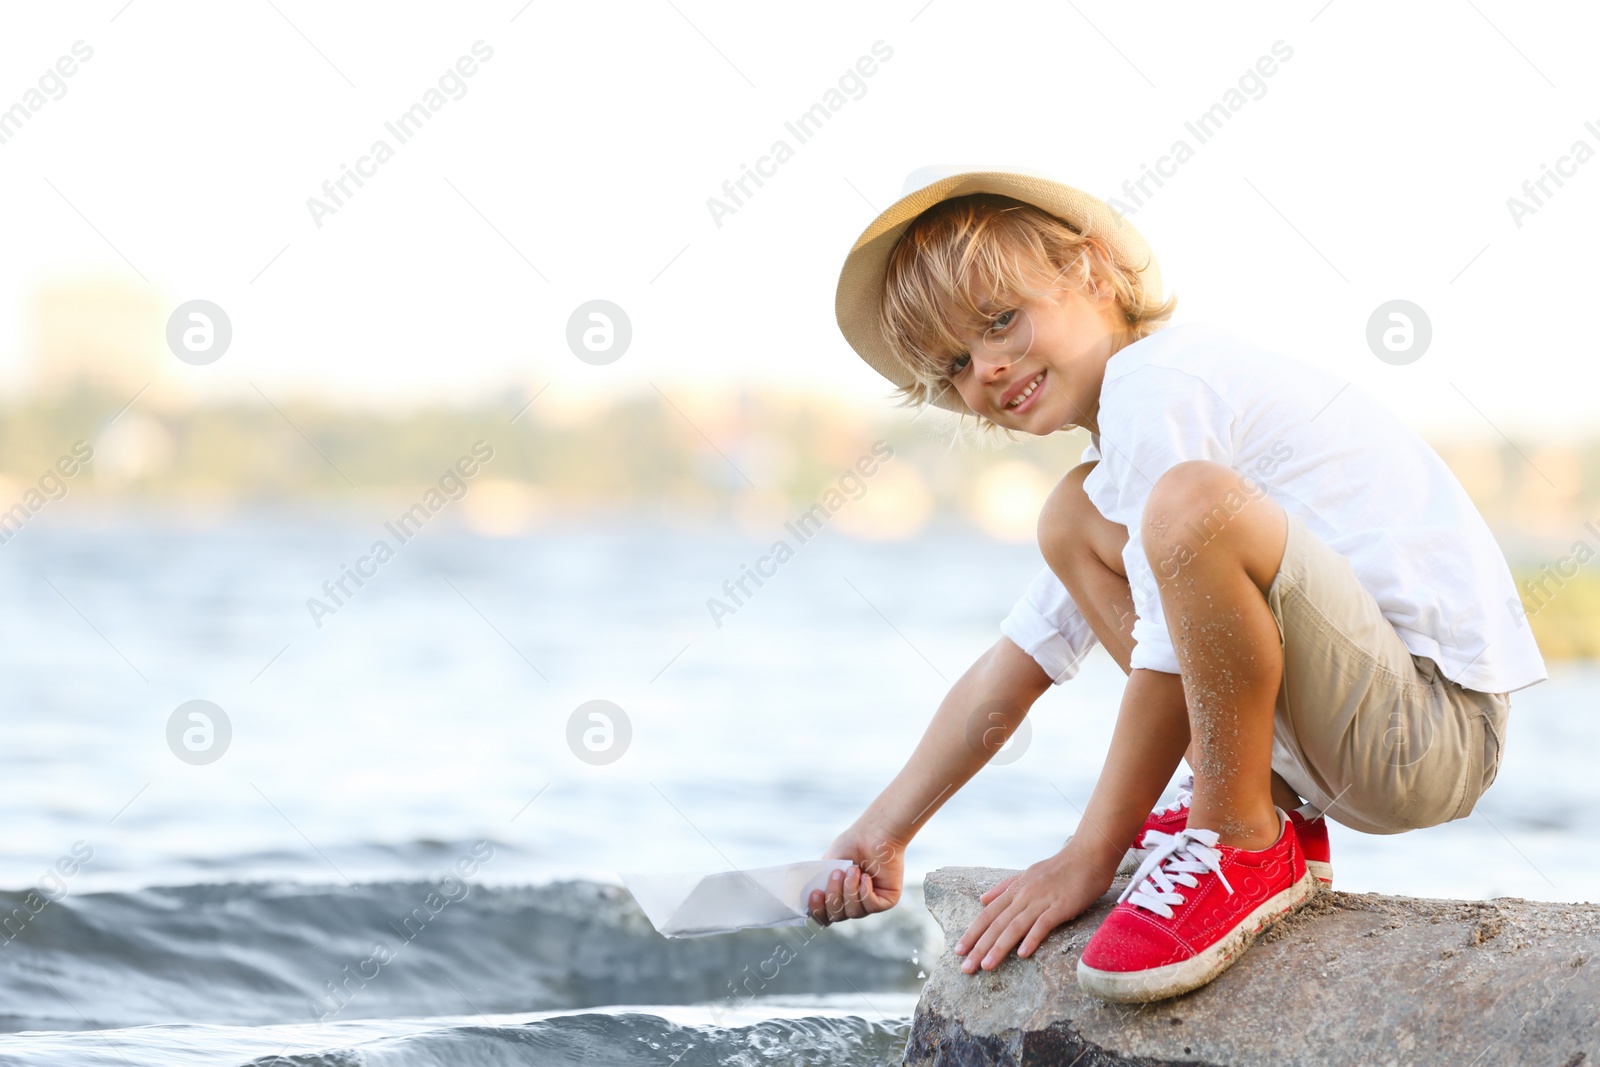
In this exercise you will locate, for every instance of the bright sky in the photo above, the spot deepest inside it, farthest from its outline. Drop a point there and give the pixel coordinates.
(1375, 163)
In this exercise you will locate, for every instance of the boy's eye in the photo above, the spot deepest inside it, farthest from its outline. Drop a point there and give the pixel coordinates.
(957, 365)
(993, 336)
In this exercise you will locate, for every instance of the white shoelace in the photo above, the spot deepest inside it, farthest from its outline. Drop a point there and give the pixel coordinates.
(1173, 860)
(1185, 794)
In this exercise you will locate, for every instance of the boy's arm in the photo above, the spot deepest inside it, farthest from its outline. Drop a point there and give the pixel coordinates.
(1151, 734)
(981, 710)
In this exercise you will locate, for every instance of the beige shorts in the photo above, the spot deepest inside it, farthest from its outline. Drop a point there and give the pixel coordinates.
(1370, 734)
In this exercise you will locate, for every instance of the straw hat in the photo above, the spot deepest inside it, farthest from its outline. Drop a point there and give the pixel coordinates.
(860, 292)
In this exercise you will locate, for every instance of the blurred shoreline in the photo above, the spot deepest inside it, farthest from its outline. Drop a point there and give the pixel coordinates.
(747, 461)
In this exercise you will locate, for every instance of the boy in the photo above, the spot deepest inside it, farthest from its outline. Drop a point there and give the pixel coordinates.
(1305, 600)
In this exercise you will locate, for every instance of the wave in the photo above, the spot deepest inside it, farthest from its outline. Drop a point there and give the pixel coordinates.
(820, 1033)
(634, 1038)
(262, 953)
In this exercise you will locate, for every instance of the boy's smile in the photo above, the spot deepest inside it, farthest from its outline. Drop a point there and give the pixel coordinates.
(1039, 366)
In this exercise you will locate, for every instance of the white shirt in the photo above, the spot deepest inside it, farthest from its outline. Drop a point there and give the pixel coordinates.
(1324, 450)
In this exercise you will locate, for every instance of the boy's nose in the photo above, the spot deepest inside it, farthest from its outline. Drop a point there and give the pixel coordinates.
(989, 365)
(988, 372)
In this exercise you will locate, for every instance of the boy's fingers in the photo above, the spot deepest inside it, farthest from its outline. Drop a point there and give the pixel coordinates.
(1017, 932)
(1041, 930)
(969, 940)
(980, 952)
(1022, 920)
(834, 900)
(853, 908)
(984, 929)
(838, 900)
(998, 888)
(870, 900)
(880, 901)
(819, 911)
(997, 925)
(1010, 934)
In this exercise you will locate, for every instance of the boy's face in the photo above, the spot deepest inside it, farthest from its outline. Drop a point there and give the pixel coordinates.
(1058, 346)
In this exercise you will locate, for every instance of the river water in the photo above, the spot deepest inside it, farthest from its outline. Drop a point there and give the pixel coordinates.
(231, 911)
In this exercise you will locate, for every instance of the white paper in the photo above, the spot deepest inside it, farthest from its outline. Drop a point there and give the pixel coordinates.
(698, 905)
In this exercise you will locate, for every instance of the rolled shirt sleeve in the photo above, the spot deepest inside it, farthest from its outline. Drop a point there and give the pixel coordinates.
(1048, 626)
(1155, 417)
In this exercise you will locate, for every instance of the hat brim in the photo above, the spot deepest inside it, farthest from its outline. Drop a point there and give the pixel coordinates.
(859, 297)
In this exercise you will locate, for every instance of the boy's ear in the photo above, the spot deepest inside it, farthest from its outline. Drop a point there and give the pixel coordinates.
(1101, 292)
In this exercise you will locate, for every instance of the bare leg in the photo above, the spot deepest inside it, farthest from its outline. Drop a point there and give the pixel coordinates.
(1214, 541)
(1084, 549)
(1283, 794)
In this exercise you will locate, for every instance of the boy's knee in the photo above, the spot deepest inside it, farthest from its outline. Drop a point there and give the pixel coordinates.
(1064, 516)
(1203, 494)
(1192, 488)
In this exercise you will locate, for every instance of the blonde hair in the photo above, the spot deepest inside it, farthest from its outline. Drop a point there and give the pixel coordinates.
(956, 262)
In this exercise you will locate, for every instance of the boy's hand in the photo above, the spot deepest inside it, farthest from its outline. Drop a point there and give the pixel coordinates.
(1026, 907)
(873, 885)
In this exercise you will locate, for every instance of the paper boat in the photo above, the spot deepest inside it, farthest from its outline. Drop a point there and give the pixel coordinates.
(699, 905)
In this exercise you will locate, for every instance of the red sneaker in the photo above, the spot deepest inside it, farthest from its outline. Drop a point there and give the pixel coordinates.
(1192, 908)
(1167, 821)
(1313, 835)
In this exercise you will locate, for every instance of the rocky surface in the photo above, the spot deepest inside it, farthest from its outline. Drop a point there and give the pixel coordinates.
(1351, 978)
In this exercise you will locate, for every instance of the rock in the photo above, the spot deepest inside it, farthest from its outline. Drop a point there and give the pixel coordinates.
(1350, 978)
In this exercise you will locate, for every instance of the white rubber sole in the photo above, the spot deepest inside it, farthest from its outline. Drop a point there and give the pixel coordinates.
(1322, 871)
(1159, 983)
